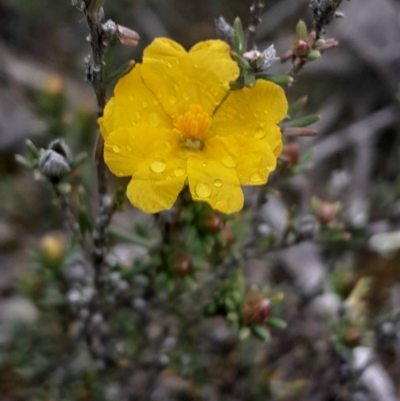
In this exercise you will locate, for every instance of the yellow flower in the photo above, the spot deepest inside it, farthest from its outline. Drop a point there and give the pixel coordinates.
(173, 121)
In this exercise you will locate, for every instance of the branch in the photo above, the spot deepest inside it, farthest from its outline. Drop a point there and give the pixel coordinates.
(255, 18)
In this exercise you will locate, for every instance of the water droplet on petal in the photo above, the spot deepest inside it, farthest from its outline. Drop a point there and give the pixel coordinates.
(172, 99)
(155, 102)
(203, 190)
(218, 183)
(154, 119)
(131, 98)
(228, 161)
(159, 95)
(204, 164)
(260, 133)
(186, 96)
(158, 165)
(241, 116)
(138, 115)
(133, 122)
(179, 172)
(256, 114)
(128, 148)
(116, 149)
(266, 111)
(144, 104)
(176, 87)
(169, 65)
(196, 66)
(255, 177)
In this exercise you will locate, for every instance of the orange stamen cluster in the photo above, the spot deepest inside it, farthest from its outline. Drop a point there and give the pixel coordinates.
(195, 123)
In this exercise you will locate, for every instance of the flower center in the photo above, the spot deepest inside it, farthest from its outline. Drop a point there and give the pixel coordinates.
(193, 126)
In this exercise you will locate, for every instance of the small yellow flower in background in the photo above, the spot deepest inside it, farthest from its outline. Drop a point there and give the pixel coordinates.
(173, 121)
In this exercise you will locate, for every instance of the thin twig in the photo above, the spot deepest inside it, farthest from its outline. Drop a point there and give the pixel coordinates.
(255, 18)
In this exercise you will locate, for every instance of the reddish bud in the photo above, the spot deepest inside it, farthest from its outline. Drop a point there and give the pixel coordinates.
(326, 212)
(290, 153)
(301, 47)
(256, 309)
(228, 235)
(213, 222)
(352, 337)
(181, 265)
(126, 36)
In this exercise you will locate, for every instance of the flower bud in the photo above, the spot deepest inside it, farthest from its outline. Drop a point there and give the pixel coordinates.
(54, 162)
(290, 153)
(52, 248)
(256, 309)
(181, 264)
(326, 212)
(213, 222)
(127, 36)
(301, 47)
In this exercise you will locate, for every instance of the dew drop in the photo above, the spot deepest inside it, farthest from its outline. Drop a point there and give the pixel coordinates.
(179, 172)
(196, 66)
(144, 104)
(133, 122)
(128, 148)
(131, 98)
(158, 165)
(169, 65)
(204, 164)
(116, 149)
(255, 177)
(265, 111)
(241, 116)
(260, 133)
(228, 161)
(256, 114)
(186, 96)
(176, 87)
(172, 99)
(203, 190)
(154, 119)
(159, 95)
(218, 183)
(155, 102)
(138, 115)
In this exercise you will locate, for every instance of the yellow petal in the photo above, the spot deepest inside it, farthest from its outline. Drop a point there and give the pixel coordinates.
(156, 163)
(253, 158)
(213, 178)
(253, 111)
(133, 103)
(179, 79)
(215, 69)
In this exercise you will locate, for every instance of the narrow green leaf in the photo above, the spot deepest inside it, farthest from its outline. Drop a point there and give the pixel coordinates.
(120, 72)
(249, 78)
(297, 105)
(276, 323)
(276, 79)
(302, 121)
(238, 37)
(24, 162)
(261, 333)
(32, 149)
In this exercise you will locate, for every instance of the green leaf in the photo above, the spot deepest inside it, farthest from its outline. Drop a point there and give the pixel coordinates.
(261, 333)
(297, 105)
(249, 78)
(276, 79)
(239, 39)
(120, 72)
(24, 161)
(302, 121)
(301, 30)
(276, 323)
(32, 149)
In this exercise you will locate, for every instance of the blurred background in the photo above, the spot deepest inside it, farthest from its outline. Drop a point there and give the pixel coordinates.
(354, 161)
